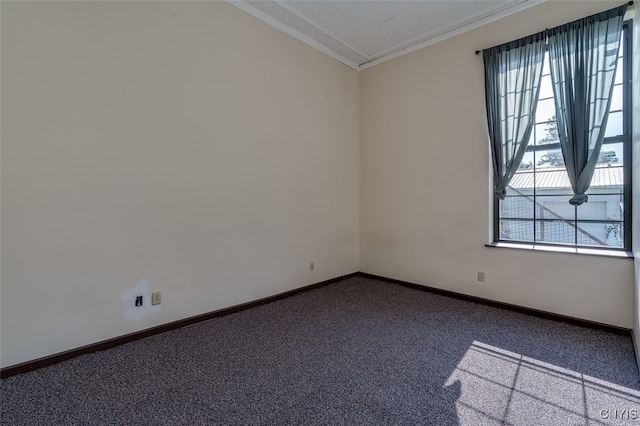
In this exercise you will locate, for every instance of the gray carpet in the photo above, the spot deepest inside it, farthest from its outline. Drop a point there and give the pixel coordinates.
(358, 352)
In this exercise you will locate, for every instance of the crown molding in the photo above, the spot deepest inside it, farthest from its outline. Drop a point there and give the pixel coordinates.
(256, 13)
(467, 26)
(463, 28)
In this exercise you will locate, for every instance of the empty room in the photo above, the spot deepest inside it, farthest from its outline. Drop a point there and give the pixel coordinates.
(310, 212)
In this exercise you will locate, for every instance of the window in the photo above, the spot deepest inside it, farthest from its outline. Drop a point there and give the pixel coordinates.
(536, 208)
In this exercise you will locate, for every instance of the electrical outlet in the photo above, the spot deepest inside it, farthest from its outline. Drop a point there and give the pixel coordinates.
(312, 266)
(480, 276)
(156, 298)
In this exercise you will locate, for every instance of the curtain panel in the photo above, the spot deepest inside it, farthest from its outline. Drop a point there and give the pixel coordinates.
(583, 59)
(512, 83)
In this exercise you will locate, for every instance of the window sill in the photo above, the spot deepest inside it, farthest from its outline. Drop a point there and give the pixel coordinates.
(620, 254)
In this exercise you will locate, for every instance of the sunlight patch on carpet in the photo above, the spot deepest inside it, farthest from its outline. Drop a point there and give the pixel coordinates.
(496, 386)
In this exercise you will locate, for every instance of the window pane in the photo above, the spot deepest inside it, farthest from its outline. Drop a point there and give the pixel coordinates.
(526, 163)
(546, 133)
(611, 154)
(619, 72)
(601, 234)
(517, 207)
(616, 99)
(522, 183)
(550, 158)
(553, 181)
(602, 207)
(555, 207)
(614, 124)
(545, 111)
(546, 88)
(545, 66)
(516, 230)
(558, 232)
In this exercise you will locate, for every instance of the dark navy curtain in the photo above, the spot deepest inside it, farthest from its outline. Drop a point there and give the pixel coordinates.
(583, 57)
(512, 83)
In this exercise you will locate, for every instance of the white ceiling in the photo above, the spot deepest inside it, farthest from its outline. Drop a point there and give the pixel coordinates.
(362, 33)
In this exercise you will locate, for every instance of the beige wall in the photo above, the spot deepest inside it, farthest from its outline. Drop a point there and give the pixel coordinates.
(194, 149)
(186, 145)
(425, 195)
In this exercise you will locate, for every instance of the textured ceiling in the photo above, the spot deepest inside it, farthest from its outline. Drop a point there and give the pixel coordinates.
(363, 32)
